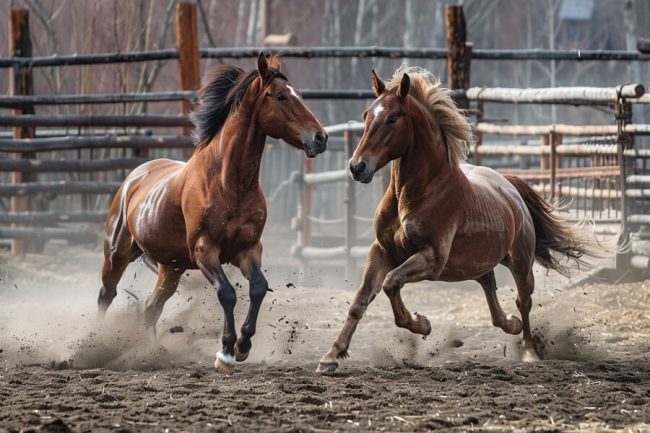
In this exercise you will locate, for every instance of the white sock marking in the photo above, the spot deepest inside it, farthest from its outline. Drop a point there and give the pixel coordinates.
(225, 358)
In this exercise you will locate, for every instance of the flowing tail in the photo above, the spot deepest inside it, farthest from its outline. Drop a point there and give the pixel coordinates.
(554, 234)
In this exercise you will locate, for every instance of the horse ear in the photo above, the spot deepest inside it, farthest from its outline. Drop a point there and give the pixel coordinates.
(263, 68)
(274, 62)
(377, 84)
(404, 87)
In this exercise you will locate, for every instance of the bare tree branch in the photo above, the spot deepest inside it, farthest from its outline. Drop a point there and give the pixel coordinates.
(162, 38)
(204, 20)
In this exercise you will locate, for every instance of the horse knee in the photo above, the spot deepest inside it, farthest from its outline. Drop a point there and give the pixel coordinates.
(392, 283)
(226, 294)
(258, 287)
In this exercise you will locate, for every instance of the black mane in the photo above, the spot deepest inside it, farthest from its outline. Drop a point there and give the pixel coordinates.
(219, 98)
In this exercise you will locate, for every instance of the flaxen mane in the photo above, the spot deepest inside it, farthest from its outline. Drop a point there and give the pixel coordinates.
(221, 97)
(427, 90)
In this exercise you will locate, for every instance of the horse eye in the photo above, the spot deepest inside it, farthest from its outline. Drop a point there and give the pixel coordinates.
(391, 120)
(281, 97)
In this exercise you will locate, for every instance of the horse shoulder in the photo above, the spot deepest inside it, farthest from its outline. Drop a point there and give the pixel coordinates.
(386, 220)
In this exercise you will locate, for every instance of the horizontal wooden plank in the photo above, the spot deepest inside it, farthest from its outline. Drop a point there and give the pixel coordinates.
(62, 187)
(94, 142)
(49, 233)
(95, 120)
(555, 95)
(49, 217)
(51, 166)
(98, 98)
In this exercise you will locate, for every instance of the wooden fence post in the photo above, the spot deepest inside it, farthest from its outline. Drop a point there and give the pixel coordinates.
(459, 52)
(187, 43)
(623, 141)
(20, 83)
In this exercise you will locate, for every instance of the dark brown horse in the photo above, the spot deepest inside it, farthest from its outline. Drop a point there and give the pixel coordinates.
(440, 220)
(210, 210)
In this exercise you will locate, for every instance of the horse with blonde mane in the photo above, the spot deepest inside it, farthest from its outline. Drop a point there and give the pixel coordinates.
(443, 220)
(211, 209)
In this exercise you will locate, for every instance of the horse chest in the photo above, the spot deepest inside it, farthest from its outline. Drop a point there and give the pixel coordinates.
(405, 237)
(235, 227)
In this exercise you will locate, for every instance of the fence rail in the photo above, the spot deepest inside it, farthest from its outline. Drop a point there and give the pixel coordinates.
(323, 52)
(49, 144)
(96, 120)
(557, 95)
(60, 187)
(106, 98)
(53, 166)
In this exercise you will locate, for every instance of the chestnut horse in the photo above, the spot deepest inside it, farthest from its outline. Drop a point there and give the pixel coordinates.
(440, 220)
(210, 210)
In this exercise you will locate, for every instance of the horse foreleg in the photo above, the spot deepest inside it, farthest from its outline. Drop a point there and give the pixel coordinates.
(422, 265)
(166, 285)
(207, 260)
(249, 263)
(510, 324)
(373, 275)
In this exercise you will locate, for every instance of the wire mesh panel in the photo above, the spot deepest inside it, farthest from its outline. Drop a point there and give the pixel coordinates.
(588, 179)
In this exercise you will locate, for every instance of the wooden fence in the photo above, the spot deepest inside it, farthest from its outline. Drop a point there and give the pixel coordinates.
(95, 162)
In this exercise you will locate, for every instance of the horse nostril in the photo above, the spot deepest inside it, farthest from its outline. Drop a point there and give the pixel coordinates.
(320, 138)
(358, 168)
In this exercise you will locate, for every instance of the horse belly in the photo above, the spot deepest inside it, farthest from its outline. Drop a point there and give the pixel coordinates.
(472, 256)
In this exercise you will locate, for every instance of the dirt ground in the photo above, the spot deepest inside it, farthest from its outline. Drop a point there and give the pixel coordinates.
(62, 370)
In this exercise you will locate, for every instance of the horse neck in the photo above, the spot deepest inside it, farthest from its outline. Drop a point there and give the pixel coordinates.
(233, 157)
(424, 169)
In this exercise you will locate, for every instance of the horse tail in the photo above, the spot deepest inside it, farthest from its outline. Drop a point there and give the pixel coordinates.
(554, 234)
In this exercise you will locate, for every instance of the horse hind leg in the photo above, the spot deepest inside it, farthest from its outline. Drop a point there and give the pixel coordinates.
(168, 278)
(114, 266)
(510, 324)
(119, 251)
(521, 267)
(525, 287)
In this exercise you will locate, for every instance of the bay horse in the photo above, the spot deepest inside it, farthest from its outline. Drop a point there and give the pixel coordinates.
(211, 209)
(443, 220)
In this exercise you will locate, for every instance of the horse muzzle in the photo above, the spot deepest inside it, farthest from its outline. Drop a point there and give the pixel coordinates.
(361, 172)
(315, 144)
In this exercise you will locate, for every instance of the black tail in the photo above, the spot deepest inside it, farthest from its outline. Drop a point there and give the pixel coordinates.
(554, 234)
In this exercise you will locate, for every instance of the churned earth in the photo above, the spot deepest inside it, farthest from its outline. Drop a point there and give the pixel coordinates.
(62, 370)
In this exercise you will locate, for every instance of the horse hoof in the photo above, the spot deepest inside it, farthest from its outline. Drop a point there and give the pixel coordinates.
(240, 356)
(225, 364)
(327, 367)
(513, 325)
(424, 324)
(529, 355)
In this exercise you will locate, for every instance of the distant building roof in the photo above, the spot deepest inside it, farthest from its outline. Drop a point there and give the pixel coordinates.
(577, 10)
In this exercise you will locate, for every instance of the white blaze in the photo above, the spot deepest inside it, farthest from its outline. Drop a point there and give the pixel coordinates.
(293, 91)
(378, 109)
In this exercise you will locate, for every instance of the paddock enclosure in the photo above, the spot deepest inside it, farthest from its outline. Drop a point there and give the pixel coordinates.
(63, 156)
